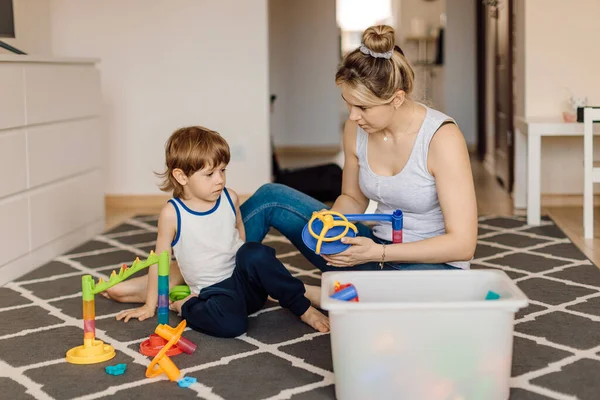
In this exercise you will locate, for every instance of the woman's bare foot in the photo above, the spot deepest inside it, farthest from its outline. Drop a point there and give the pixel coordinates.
(314, 318)
(313, 293)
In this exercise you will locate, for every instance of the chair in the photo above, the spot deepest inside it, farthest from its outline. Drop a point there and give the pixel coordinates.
(591, 174)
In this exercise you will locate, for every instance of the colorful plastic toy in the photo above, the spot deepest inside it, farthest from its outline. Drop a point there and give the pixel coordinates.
(163, 334)
(324, 230)
(179, 292)
(346, 292)
(162, 363)
(187, 381)
(93, 350)
(163, 291)
(492, 295)
(118, 369)
(154, 344)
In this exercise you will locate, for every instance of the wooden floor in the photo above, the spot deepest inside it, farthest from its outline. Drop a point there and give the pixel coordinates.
(491, 200)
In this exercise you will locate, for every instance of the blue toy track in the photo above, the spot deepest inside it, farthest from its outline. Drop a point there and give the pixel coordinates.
(335, 247)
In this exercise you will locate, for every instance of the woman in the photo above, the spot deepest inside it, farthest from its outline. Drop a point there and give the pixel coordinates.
(399, 153)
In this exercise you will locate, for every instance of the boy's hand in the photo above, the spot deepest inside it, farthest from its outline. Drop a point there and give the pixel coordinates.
(176, 305)
(142, 313)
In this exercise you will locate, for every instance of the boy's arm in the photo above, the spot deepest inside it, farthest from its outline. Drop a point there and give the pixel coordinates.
(167, 226)
(239, 223)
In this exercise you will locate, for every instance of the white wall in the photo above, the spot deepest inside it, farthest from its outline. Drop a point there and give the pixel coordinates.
(167, 64)
(303, 57)
(560, 59)
(429, 12)
(32, 27)
(460, 62)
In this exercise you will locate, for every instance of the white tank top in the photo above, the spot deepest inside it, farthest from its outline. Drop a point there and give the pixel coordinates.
(206, 242)
(412, 190)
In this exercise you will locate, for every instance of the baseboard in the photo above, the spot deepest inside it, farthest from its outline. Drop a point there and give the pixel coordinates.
(566, 200)
(40, 256)
(303, 151)
(137, 202)
(152, 203)
(143, 203)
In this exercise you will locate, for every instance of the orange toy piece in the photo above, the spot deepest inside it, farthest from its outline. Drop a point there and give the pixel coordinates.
(162, 363)
(167, 333)
(162, 335)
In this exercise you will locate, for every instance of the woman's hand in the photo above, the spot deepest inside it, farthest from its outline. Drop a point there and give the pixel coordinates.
(362, 250)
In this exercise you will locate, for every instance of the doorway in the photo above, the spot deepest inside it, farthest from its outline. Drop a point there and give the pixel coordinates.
(495, 28)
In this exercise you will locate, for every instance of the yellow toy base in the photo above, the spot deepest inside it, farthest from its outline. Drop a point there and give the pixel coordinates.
(93, 354)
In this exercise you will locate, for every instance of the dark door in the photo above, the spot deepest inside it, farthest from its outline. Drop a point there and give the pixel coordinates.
(501, 16)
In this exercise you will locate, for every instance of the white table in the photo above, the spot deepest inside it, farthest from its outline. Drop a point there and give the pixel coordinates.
(528, 157)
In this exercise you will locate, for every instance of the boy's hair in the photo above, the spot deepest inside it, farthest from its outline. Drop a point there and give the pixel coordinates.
(191, 149)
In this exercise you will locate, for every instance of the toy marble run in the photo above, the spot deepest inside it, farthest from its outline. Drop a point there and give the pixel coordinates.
(94, 350)
(324, 230)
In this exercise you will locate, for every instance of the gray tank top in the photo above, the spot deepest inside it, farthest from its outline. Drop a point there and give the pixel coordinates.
(412, 190)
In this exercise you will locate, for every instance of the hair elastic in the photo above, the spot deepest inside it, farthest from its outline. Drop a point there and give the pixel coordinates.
(365, 50)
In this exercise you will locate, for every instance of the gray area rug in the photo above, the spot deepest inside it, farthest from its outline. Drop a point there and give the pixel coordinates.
(556, 343)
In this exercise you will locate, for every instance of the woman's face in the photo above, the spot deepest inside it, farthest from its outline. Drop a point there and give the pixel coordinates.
(371, 118)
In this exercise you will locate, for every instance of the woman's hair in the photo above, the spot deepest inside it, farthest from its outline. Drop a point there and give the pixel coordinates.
(377, 69)
(191, 149)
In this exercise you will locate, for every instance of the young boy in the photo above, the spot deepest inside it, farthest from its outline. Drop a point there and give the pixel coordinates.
(229, 279)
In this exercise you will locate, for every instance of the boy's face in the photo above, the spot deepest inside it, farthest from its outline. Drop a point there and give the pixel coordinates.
(206, 184)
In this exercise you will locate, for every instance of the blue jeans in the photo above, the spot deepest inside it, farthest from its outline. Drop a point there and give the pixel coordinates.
(288, 211)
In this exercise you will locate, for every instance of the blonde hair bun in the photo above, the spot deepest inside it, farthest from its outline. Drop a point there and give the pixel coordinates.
(377, 69)
(379, 38)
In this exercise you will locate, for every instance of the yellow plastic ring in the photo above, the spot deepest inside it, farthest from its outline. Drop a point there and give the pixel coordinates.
(328, 223)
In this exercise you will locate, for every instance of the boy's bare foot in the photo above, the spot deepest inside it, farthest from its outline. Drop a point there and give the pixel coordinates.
(131, 298)
(131, 291)
(313, 293)
(316, 319)
(176, 305)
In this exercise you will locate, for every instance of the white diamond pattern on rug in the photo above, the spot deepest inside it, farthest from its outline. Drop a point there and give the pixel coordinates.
(556, 345)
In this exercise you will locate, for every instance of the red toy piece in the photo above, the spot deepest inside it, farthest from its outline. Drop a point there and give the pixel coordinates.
(346, 292)
(153, 345)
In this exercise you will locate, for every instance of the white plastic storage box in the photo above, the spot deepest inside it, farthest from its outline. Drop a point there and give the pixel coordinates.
(422, 335)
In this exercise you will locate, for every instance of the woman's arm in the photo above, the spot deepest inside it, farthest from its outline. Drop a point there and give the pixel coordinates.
(448, 162)
(352, 200)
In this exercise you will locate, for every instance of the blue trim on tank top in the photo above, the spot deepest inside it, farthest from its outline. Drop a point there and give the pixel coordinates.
(186, 208)
(230, 202)
(174, 242)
